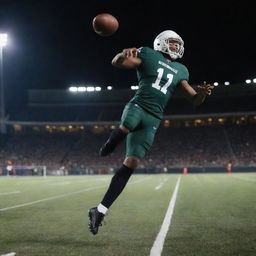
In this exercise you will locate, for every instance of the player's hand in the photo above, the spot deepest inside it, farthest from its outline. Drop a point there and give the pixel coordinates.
(130, 52)
(205, 89)
(128, 58)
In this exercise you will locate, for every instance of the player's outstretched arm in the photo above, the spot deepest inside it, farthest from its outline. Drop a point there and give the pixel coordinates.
(196, 97)
(127, 59)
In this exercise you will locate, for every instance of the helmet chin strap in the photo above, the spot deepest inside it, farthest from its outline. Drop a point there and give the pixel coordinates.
(173, 55)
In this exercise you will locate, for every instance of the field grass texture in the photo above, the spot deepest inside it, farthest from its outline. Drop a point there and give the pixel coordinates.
(214, 214)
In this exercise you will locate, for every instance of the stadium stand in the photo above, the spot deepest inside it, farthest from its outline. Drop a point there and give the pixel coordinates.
(62, 130)
(173, 147)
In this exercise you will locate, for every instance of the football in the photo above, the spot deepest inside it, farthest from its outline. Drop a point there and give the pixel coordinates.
(105, 24)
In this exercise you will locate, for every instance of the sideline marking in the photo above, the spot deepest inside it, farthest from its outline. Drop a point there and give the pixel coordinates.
(9, 193)
(63, 195)
(157, 247)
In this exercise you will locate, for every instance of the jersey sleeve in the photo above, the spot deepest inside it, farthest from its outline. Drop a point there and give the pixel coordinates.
(184, 74)
(144, 52)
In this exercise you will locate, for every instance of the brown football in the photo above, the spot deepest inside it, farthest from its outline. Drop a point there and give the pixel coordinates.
(105, 24)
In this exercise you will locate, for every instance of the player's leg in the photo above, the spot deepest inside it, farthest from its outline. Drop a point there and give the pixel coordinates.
(129, 120)
(137, 145)
(117, 184)
(116, 136)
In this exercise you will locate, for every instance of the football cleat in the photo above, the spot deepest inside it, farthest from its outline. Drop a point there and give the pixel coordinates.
(95, 219)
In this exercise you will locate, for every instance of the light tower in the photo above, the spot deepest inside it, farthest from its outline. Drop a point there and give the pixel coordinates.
(3, 42)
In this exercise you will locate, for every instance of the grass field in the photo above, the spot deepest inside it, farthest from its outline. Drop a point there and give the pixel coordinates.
(214, 214)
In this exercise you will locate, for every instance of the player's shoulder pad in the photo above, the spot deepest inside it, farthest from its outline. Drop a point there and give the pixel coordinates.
(181, 65)
(144, 51)
(183, 69)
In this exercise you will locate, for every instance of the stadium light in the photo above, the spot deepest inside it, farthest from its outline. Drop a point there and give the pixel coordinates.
(84, 88)
(81, 89)
(72, 89)
(227, 83)
(109, 88)
(3, 40)
(3, 43)
(254, 80)
(90, 89)
(248, 81)
(134, 87)
(215, 83)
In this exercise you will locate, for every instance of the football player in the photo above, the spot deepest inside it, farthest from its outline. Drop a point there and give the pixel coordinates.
(159, 74)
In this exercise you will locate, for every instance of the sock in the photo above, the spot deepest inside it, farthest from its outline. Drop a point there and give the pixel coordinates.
(101, 208)
(117, 185)
(116, 136)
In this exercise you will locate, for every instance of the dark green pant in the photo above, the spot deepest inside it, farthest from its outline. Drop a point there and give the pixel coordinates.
(142, 126)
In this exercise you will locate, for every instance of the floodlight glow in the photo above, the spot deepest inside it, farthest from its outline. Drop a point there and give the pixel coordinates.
(81, 89)
(248, 81)
(97, 88)
(109, 88)
(215, 83)
(3, 39)
(90, 89)
(134, 87)
(72, 89)
(227, 83)
(254, 80)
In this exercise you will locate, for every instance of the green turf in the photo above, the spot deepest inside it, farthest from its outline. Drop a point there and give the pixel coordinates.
(215, 214)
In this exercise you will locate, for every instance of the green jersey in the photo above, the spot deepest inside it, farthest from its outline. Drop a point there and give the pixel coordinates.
(158, 79)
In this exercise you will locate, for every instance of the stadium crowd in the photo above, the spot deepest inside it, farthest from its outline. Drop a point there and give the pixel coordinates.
(173, 147)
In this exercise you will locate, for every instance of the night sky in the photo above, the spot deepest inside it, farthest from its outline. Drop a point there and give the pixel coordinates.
(52, 44)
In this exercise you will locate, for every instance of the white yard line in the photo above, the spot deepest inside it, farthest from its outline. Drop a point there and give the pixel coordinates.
(246, 179)
(9, 193)
(59, 183)
(161, 184)
(138, 181)
(64, 195)
(157, 248)
(9, 254)
(89, 180)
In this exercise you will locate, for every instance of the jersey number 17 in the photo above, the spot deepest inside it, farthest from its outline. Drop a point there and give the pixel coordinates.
(156, 84)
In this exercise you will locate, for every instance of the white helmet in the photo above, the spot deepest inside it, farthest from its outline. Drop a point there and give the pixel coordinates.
(161, 43)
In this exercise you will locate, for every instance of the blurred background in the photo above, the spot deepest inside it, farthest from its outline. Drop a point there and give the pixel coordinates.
(60, 96)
